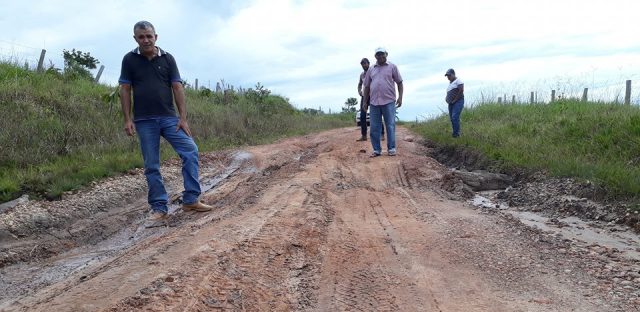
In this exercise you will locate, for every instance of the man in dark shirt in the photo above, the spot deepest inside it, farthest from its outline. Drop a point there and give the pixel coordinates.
(153, 75)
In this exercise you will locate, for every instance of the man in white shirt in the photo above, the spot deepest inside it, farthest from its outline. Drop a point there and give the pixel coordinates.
(455, 99)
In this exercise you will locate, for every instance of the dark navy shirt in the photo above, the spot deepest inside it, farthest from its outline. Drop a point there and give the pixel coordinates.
(150, 81)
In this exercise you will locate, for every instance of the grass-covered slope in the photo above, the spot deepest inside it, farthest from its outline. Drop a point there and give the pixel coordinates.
(593, 141)
(59, 133)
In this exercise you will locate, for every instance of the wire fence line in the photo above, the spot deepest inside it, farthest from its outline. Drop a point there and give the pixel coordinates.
(616, 92)
(32, 58)
(19, 54)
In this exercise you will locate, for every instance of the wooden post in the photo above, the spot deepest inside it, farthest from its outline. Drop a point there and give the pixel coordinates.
(196, 84)
(99, 73)
(499, 100)
(505, 99)
(584, 94)
(513, 99)
(553, 96)
(41, 60)
(627, 94)
(531, 97)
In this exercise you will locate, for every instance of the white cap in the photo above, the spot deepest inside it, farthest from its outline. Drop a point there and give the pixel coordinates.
(381, 49)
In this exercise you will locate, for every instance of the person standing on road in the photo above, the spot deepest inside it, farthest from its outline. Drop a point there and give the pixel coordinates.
(153, 76)
(455, 99)
(363, 112)
(380, 93)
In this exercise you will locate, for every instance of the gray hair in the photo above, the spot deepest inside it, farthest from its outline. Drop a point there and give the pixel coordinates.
(143, 25)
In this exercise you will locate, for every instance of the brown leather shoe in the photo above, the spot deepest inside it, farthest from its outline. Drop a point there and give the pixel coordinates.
(361, 139)
(197, 206)
(157, 216)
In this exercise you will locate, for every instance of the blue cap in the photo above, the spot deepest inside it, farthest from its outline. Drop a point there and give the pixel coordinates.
(450, 71)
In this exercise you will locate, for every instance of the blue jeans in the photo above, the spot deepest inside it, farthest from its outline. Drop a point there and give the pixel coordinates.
(363, 125)
(455, 110)
(388, 111)
(149, 132)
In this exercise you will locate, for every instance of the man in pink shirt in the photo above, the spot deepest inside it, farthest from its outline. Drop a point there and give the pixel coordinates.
(380, 95)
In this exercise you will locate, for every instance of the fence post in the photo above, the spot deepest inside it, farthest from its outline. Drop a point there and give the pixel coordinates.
(553, 96)
(99, 73)
(499, 100)
(584, 94)
(531, 97)
(513, 99)
(627, 94)
(196, 84)
(41, 60)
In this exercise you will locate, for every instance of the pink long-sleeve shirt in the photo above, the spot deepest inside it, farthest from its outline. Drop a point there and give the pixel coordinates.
(380, 80)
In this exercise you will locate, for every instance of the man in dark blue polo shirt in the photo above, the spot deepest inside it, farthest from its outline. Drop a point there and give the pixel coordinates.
(153, 76)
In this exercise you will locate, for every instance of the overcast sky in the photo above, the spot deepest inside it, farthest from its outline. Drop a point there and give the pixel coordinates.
(309, 51)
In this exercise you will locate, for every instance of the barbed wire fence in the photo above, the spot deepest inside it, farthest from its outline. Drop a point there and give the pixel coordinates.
(607, 90)
(32, 58)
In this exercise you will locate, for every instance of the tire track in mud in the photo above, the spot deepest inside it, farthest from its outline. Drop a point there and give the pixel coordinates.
(273, 266)
(363, 249)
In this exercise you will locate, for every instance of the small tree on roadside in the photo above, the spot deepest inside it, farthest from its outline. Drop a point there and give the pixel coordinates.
(258, 94)
(350, 105)
(77, 64)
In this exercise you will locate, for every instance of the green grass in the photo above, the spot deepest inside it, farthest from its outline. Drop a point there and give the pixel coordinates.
(592, 141)
(59, 134)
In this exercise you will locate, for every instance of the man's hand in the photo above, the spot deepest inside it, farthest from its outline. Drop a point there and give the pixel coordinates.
(399, 102)
(360, 92)
(184, 125)
(129, 128)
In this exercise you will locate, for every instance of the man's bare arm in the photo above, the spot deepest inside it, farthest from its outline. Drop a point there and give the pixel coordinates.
(125, 102)
(400, 93)
(458, 94)
(178, 95)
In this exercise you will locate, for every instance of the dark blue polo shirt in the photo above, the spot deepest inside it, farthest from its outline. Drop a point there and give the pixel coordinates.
(150, 81)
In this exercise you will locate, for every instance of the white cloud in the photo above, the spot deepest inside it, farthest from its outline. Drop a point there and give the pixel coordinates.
(309, 51)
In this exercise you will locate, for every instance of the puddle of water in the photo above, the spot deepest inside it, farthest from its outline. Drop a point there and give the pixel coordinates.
(238, 159)
(23, 279)
(483, 202)
(574, 228)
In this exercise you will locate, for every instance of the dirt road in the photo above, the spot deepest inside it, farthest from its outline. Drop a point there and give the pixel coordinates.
(310, 224)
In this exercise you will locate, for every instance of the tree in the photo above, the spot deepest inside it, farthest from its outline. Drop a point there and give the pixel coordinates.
(77, 64)
(259, 94)
(350, 105)
(311, 111)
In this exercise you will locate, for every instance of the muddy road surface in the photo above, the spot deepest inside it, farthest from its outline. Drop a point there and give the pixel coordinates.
(306, 224)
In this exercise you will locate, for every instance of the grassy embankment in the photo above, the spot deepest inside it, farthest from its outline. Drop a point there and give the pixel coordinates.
(599, 142)
(58, 134)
